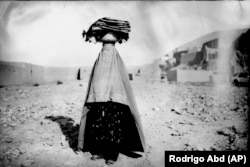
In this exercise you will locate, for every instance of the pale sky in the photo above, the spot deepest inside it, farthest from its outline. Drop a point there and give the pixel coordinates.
(49, 33)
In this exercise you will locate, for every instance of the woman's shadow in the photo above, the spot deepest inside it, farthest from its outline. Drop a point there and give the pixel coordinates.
(69, 130)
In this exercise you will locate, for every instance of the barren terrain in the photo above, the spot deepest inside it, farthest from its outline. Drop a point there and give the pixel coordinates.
(39, 124)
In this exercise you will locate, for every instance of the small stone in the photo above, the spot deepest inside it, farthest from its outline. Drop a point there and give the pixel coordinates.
(154, 108)
(22, 151)
(176, 112)
(13, 125)
(63, 145)
(13, 118)
(27, 163)
(9, 140)
(190, 123)
(49, 143)
(15, 152)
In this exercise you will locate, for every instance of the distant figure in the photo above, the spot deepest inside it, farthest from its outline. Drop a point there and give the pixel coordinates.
(138, 72)
(110, 122)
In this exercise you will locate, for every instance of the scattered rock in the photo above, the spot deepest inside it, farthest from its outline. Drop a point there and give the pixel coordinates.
(22, 150)
(48, 143)
(15, 152)
(44, 122)
(36, 84)
(176, 112)
(27, 163)
(59, 82)
(190, 123)
(9, 140)
(155, 109)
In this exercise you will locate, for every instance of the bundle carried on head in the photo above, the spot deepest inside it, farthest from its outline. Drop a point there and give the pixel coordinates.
(118, 28)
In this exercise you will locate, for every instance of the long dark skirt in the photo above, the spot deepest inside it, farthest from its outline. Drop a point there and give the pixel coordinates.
(110, 129)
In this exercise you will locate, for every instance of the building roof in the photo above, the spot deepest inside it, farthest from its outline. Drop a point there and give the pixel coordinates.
(228, 35)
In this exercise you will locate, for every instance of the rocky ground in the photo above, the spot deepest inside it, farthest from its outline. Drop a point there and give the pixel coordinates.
(39, 124)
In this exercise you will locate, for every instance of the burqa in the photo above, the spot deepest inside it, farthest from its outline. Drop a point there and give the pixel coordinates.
(110, 121)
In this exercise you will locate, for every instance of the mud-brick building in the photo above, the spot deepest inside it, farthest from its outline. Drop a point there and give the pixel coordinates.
(214, 55)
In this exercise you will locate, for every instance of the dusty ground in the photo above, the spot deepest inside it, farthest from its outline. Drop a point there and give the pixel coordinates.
(39, 124)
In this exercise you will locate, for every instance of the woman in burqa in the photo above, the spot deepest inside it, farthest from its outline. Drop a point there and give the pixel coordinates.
(110, 122)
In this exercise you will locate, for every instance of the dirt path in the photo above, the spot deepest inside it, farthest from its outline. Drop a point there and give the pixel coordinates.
(39, 125)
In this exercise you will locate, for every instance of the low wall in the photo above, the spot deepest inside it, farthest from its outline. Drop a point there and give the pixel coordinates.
(37, 74)
(14, 74)
(193, 76)
(25, 73)
(172, 76)
(190, 76)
